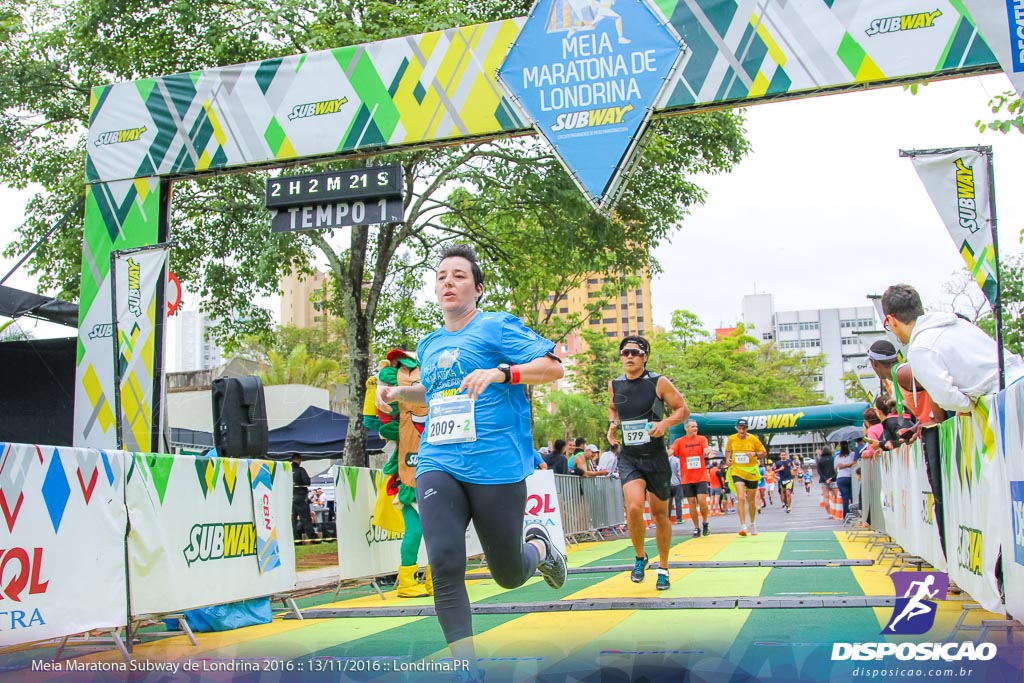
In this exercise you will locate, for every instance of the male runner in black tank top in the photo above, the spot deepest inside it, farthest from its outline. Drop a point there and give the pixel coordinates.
(638, 400)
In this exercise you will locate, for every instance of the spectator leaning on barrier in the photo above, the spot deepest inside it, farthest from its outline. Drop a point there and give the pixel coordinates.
(609, 461)
(581, 463)
(955, 361)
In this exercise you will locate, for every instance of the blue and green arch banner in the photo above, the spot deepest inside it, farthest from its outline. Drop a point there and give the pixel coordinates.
(441, 88)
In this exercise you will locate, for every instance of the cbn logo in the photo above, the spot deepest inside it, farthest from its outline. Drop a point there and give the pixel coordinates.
(113, 137)
(969, 552)
(591, 118)
(965, 197)
(302, 111)
(906, 22)
(220, 541)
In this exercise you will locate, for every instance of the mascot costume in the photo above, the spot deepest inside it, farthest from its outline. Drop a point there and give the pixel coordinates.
(396, 503)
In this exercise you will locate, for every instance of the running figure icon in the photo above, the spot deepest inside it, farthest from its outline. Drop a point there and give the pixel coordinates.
(915, 605)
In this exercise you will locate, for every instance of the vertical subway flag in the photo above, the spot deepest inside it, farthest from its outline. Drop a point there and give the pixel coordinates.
(137, 275)
(958, 182)
(1001, 24)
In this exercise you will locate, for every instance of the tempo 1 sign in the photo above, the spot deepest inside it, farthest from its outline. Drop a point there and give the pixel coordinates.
(337, 215)
(336, 199)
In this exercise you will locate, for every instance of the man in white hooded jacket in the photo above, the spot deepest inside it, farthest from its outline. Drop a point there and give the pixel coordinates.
(954, 360)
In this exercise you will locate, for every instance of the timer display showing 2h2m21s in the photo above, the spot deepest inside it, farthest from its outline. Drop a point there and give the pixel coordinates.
(370, 184)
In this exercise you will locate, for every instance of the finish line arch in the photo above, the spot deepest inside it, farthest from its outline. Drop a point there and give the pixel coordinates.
(427, 90)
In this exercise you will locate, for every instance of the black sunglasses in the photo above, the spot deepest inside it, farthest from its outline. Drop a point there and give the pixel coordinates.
(631, 352)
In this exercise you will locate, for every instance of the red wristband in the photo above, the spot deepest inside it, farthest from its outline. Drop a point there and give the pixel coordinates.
(514, 371)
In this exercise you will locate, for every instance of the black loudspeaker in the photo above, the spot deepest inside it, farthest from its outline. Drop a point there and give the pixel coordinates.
(239, 417)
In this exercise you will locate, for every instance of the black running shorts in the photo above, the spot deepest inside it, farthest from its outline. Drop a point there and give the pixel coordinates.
(695, 489)
(654, 470)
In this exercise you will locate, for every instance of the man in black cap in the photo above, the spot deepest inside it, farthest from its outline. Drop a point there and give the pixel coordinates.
(637, 404)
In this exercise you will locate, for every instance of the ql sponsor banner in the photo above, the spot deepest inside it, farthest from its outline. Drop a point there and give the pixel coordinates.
(542, 506)
(908, 504)
(62, 521)
(193, 539)
(974, 485)
(366, 550)
(1011, 433)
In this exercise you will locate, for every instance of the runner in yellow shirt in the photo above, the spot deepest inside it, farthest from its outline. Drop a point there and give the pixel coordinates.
(742, 451)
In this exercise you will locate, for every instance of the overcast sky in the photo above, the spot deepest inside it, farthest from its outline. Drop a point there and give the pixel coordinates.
(822, 213)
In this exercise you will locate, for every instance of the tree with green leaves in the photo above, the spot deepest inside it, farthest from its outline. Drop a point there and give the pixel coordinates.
(296, 355)
(563, 415)
(591, 369)
(296, 367)
(736, 372)
(968, 300)
(511, 198)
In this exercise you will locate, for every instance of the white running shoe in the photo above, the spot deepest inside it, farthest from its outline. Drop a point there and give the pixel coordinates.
(753, 530)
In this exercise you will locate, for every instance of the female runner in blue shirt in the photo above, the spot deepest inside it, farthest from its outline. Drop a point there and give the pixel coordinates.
(477, 446)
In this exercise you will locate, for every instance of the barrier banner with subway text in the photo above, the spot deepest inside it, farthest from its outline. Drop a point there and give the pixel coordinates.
(193, 539)
(366, 550)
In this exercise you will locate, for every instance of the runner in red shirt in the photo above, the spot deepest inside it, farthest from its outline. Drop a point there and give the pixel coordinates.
(693, 474)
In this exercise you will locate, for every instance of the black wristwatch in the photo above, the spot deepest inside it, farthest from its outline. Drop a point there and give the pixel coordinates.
(506, 370)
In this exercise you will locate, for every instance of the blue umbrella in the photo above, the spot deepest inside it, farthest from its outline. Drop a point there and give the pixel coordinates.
(846, 434)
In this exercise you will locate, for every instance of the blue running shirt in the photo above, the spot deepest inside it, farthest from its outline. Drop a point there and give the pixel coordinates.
(503, 450)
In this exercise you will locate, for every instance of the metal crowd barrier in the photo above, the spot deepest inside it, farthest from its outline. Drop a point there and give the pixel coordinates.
(589, 505)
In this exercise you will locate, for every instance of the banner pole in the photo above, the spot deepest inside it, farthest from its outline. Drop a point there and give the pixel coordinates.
(997, 304)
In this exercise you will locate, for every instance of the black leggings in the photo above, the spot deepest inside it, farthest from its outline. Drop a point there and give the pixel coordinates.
(932, 459)
(446, 506)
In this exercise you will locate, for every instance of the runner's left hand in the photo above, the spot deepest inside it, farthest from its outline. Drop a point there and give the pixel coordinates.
(475, 382)
(657, 430)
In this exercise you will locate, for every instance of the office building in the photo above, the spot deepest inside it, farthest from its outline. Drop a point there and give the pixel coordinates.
(833, 332)
(193, 351)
